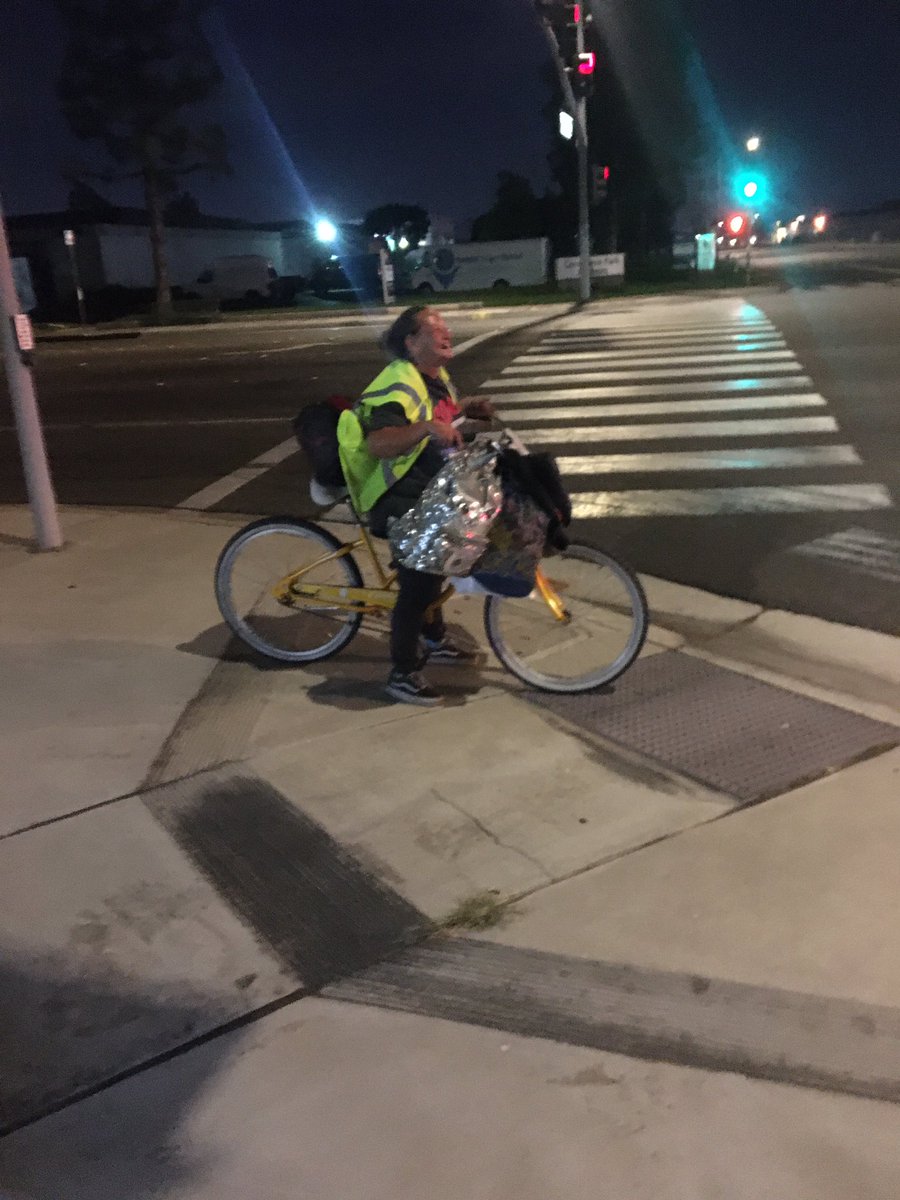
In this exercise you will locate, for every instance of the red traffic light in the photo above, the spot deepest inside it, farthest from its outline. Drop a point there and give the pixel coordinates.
(587, 61)
(576, 14)
(735, 224)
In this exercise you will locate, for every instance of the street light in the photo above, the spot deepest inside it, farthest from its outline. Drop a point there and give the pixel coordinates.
(753, 144)
(326, 231)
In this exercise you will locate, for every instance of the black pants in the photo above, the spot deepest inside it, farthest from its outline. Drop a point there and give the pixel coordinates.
(417, 592)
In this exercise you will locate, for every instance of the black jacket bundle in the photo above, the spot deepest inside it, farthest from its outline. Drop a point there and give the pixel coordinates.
(537, 475)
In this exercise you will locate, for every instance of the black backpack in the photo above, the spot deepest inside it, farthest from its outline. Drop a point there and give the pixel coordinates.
(315, 428)
(537, 475)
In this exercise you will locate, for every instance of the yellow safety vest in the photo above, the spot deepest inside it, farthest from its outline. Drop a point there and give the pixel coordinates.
(368, 477)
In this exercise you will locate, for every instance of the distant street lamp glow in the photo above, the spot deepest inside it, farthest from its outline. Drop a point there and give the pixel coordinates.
(753, 144)
(403, 243)
(819, 223)
(326, 231)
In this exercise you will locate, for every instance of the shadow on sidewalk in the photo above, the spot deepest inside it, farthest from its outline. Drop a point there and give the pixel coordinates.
(354, 678)
(65, 1035)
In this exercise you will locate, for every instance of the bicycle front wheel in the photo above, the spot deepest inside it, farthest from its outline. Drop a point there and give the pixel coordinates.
(255, 601)
(601, 632)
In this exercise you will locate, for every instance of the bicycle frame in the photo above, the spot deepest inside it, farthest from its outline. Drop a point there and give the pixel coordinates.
(291, 591)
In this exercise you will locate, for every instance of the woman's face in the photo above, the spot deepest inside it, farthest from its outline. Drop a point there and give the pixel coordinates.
(432, 346)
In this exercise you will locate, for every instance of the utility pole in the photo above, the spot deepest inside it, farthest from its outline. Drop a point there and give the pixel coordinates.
(69, 239)
(16, 343)
(577, 105)
(584, 226)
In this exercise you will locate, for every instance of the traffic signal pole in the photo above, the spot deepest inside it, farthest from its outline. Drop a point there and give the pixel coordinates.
(578, 109)
(14, 335)
(584, 226)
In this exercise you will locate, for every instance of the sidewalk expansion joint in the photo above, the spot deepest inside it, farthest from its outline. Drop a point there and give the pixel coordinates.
(155, 1060)
(614, 857)
(68, 816)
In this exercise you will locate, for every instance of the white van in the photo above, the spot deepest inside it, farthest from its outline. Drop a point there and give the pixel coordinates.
(471, 266)
(238, 277)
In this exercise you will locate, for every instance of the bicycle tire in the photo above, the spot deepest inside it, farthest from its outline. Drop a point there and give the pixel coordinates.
(501, 614)
(253, 634)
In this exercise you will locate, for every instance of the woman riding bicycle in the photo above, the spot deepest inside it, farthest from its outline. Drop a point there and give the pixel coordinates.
(392, 446)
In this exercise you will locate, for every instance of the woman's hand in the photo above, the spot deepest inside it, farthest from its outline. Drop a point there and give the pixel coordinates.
(443, 433)
(478, 408)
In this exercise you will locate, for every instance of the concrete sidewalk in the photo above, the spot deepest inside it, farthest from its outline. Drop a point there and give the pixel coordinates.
(158, 797)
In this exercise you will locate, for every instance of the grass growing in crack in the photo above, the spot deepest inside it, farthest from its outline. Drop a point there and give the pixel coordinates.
(480, 911)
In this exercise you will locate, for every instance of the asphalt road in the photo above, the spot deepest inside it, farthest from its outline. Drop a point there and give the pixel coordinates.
(152, 420)
(820, 264)
(157, 420)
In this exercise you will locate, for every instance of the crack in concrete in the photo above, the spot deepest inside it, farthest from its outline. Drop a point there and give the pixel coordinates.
(489, 833)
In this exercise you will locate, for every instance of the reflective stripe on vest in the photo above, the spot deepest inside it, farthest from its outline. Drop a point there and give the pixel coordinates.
(421, 405)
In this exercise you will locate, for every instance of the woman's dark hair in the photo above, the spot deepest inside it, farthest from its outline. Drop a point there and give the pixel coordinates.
(409, 322)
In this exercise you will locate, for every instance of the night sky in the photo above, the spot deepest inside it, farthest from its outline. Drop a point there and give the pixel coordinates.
(335, 108)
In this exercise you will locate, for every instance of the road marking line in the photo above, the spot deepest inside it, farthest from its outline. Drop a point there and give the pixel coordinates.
(640, 372)
(729, 386)
(217, 491)
(636, 340)
(741, 333)
(599, 360)
(652, 408)
(859, 550)
(264, 353)
(703, 502)
(710, 460)
(751, 427)
(474, 341)
(69, 426)
(607, 345)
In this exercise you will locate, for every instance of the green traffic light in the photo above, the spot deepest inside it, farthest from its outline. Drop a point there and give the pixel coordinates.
(750, 185)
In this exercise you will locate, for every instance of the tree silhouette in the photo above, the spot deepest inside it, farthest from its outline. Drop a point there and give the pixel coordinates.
(516, 212)
(129, 74)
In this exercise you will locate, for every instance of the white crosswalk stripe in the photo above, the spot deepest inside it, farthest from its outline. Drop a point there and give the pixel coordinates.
(526, 414)
(763, 338)
(717, 501)
(751, 427)
(647, 373)
(727, 358)
(708, 460)
(641, 360)
(735, 387)
(583, 388)
(861, 551)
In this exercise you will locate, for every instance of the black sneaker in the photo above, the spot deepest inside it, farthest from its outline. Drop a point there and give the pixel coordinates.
(447, 651)
(412, 689)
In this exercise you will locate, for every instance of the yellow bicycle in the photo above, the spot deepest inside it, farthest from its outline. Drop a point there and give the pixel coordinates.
(294, 592)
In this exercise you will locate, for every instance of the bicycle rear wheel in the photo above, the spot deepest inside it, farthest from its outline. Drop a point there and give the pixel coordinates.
(248, 573)
(601, 635)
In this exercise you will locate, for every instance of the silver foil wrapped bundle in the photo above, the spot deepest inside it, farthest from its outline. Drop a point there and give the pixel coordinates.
(447, 529)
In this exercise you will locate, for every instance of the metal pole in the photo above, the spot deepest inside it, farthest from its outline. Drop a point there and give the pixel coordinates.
(25, 410)
(69, 237)
(584, 227)
(578, 109)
